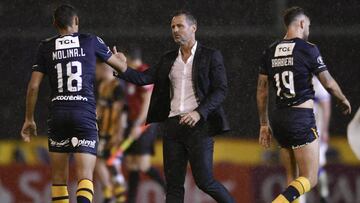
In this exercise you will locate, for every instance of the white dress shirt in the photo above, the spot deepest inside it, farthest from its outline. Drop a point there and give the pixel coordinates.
(183, 95)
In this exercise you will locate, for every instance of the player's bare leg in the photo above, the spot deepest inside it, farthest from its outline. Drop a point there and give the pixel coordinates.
(104, 176)
(307, 158)
(289, 162)
(137, 164)
(85, 164)
(144, 163)
(59, 175)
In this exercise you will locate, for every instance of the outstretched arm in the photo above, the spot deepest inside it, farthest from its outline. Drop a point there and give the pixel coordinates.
(262, 103)
(118, 62)
(333, 88)
(29, 127)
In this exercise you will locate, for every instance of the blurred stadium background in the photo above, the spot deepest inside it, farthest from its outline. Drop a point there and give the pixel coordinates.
(240, 29)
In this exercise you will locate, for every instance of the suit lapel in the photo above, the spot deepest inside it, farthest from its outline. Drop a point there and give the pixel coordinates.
(169, 62)
(196, 68)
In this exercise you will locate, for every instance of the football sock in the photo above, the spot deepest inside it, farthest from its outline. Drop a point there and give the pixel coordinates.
(133, 184)
(120, 193)
(59, 193)
(296, 188)
(155, 175)
(85, 191)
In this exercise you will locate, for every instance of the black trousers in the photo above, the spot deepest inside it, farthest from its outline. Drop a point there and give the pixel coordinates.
(183, 144)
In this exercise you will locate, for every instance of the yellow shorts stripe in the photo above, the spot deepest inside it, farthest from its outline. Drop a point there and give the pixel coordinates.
(315, 133)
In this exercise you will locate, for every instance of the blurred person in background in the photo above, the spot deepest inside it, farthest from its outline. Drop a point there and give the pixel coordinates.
(138, 155)
(190, 86)
(289, 64)
(69, 59)
(110, 112)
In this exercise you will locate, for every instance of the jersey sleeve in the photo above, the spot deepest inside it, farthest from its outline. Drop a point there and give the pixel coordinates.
(316, 62)
(102, 51)
(262, 68)
(39, 64)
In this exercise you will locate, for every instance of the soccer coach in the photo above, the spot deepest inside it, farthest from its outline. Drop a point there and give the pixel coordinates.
(189, 87)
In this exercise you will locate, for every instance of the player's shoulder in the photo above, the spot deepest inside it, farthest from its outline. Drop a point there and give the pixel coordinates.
(86, 36)
(271, 47)
(49, 39)
(273, 44)
(305, 44)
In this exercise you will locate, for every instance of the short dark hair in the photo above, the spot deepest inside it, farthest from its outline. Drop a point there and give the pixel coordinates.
(290, 14)
(63, 15)
(189, 16)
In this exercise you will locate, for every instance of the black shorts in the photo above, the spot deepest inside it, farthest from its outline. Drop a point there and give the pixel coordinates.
(293, 127)
(72, 131)
(103, 150)
(145, 143)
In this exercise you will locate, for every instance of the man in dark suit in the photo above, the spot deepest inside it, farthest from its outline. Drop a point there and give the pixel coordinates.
(189, 86)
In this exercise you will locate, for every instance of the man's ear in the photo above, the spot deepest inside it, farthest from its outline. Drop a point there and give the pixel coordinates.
(76, 19)
(194, 27)
(302, 24)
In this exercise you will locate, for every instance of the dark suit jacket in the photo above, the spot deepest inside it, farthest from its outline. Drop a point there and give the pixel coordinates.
(210, 84)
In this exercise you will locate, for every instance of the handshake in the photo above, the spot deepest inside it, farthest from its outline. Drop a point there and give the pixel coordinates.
(117, 61)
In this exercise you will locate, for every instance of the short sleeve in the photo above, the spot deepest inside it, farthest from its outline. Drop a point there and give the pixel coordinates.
(102, 51)
(39, 64)
(262, 68)
(316, 62)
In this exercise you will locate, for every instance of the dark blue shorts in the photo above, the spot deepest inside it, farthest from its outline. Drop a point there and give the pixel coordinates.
(103, 150)
(72, 131)
(293, 127)
(145, 143)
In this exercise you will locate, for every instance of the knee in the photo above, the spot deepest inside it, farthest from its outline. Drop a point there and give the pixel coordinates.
(204, 184)
(84, 173)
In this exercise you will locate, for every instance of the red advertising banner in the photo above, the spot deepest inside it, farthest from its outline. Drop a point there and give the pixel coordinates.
(248, 184)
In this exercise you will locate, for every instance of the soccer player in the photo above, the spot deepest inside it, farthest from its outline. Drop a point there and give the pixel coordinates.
(138, 155)
(110, 113)
(290, 64)
(68, 60)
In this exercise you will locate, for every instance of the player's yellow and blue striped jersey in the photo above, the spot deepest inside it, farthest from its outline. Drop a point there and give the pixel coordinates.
(109, 117)
(69, 61)
(290, 64)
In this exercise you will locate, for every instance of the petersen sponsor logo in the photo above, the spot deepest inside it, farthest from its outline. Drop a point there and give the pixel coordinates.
(67, 42)
(62, 143)
(284, 49)
(83, 142)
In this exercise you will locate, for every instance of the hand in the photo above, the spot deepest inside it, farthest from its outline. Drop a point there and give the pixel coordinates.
(344, 106)
(190, 119)
(121, 57)
(28, 130)
(265, 136)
